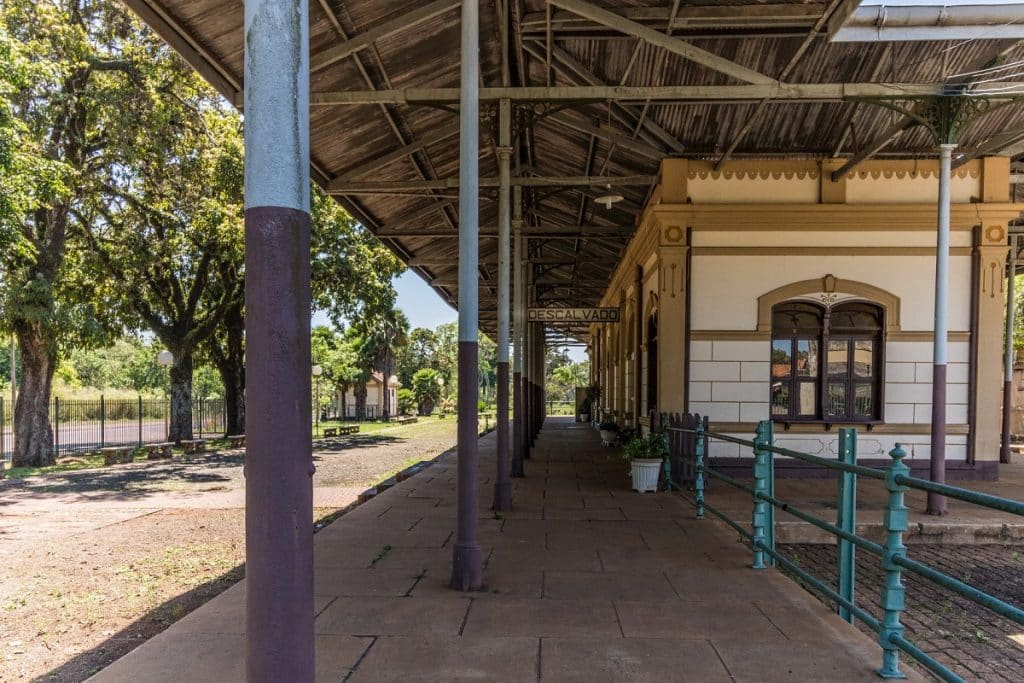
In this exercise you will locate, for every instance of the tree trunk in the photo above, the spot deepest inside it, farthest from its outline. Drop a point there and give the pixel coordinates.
(33, 444)
(385, 405)
(360, 392)
(180, 426)
(228, 354)
(233, 379)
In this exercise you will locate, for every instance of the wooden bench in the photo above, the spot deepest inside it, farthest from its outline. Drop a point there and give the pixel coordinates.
(236, 441)
(194, 445)
(406, 419)
(348, 429)
(158, 451)
(331, 431)
(117, 455)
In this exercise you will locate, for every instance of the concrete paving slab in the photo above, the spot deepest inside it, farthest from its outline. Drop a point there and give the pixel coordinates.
(542, 618)
(389, 616)
(438, 660)
(626, 660)
(608, 586)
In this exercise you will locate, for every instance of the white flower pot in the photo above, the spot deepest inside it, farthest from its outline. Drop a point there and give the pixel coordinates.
(608, 437)
(645, 472)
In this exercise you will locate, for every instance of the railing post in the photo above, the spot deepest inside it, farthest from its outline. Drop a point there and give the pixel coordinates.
(140, 422)
(667, 465)
(894, 520)
(846, 519)
(103, 421)
(698, 477)
(762, 475)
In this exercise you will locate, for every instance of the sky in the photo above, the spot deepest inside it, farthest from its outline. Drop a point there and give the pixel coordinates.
(424, 308)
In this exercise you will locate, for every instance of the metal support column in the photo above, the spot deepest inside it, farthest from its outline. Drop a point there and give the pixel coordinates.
(503, 481)
(638, 357)
(279, 460)
(1004, 451)
(518, 407)
(467, 560)
(937, 503)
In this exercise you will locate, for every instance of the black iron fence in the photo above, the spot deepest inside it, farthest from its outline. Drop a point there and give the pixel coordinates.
(87, 424)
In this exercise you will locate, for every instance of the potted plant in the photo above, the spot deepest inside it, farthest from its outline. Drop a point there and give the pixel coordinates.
(585, 410)
(593, 400)
(645, 455)
(609, 432)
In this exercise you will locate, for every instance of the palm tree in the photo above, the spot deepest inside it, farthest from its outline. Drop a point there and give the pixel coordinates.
(382, 336)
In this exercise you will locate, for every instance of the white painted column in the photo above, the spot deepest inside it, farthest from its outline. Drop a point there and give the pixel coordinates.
(467, 560)
(278, 462)
(936, 503)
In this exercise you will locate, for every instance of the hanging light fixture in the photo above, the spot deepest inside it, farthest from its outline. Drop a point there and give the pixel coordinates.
(609, 197)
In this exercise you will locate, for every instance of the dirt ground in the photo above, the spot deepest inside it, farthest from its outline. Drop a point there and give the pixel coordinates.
(96, 561)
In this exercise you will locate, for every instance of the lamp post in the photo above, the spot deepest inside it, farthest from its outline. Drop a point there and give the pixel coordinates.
(166, 360)
(317, 371)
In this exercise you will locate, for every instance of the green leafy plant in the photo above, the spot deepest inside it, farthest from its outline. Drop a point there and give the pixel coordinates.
(585, 407)
(608, 426)
(653, 445)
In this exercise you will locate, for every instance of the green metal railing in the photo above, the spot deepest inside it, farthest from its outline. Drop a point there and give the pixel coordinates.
(892, 553)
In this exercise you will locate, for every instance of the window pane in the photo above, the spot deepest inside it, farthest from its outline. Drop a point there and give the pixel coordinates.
(837, 398)
(837, 358)
(863, 401)
(863, 358)
(782, 359)
(860, 317)
(807, 358)
(797, 319)
(780, 398)
(808, 399)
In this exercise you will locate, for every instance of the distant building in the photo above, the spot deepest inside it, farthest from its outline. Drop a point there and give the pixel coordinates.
(374, 397)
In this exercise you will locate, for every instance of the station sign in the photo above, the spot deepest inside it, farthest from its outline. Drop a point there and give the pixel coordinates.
(573, 315)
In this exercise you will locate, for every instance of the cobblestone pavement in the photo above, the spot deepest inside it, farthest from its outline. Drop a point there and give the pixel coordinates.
(966, 637)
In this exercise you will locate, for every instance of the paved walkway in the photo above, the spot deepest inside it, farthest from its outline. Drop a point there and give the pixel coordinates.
(586, 581)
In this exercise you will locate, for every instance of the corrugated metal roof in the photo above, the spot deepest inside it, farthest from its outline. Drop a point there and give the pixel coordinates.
(758, 35)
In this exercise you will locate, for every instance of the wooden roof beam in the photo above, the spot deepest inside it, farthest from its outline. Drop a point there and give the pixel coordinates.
(438, 135)
(786, 15)
(666, 94)
(573, 70)
(665, 42)
(403, 22)
(370, 187)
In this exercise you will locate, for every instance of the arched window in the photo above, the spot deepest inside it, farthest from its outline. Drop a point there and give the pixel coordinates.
(841, 384)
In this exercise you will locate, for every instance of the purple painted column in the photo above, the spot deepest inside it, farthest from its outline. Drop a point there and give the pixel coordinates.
(503, 477)
(518, 317)
(467, 560)
(936, 503)
(278, 461)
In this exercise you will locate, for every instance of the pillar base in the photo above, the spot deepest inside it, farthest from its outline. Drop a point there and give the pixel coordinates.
(502, 497)
(467, 568)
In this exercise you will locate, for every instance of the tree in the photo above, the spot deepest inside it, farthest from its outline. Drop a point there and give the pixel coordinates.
(82, 85)
(381, 336)
(166, 229)
(352, 271)
(419, 353)
(426, 387)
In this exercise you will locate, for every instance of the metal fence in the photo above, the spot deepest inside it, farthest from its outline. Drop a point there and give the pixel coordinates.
(892, 554)
(81, 425)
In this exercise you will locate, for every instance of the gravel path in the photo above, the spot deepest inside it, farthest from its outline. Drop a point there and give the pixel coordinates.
(96, 560)
(969, 639)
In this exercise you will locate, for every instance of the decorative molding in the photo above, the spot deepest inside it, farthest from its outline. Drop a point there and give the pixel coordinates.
(925, 336)
(827, 287)
(833, 428)
(825, 251)
(730, 335)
